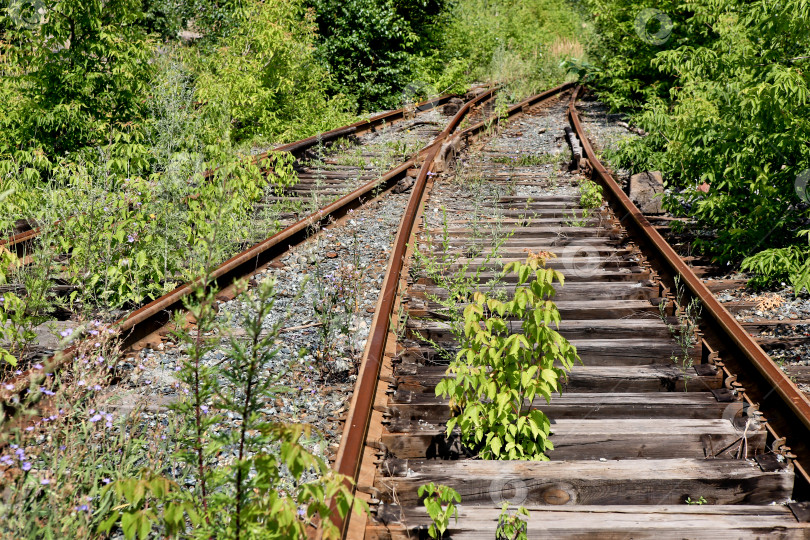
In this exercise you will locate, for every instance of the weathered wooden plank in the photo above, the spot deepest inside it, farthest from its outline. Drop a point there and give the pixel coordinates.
(511, 244)
(415, 406)
(420, 307)
(652, 378)
(643, 290)
(715, 522)
(617, 352)
(576, 271)
(593, 246)
(563, 259)
(607, 438)
(635, 481)
(537, 233)
(570, 328)
(719, 285)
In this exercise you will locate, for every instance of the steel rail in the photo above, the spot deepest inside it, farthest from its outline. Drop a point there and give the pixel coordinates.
(355, 431)
(787, 390)
(359, 127)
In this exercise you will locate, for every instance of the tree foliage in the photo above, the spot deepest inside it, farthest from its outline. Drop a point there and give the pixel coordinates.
(370, 45)
(726, 100)
(80, 68)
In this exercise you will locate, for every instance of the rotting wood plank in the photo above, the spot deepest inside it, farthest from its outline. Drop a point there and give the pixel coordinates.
(539, 233)
(632, 481)
(676, 522)
(420, 307)
(622, 351)
(415, 406)
(652, 378)
(570, 328)
(644, 290)
(576, 272)
(598, 439)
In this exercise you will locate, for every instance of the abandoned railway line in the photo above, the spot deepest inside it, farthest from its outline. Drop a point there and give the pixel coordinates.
(670, 405)
(648, 423)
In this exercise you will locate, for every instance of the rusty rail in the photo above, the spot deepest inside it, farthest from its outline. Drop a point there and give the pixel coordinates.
(349, 458)
(746, 347)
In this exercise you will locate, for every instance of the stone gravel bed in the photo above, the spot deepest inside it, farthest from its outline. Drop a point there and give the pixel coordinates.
(318, 397)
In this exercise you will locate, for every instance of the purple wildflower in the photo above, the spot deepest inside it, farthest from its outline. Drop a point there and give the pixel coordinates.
(26, 466)
(37, 366)
(95, 418)
(66, 332)
(9, 387)
(44, 481)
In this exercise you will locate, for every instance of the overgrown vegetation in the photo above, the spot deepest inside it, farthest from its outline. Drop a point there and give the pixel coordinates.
(512, 526)
(88, 470)
(521, 43)
(126, 130)
(722, 88)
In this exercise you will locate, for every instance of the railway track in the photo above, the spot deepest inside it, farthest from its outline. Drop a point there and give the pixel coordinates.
(333, 184)
(364, 158)
(313, 151)
(674, 425)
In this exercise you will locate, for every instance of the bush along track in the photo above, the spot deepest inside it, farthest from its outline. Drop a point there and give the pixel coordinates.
(722, 89)
(642, 405)
(774, 315)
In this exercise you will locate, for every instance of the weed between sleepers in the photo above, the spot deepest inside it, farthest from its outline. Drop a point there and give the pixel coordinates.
(685, 332)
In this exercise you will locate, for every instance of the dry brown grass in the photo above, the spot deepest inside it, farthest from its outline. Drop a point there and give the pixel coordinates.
(563, 47)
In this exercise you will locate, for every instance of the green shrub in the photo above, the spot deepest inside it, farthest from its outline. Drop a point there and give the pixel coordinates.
(267, 79)
(74, 93)
(440, 504)
(498, 372)
(506, 41)
(371, 46)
